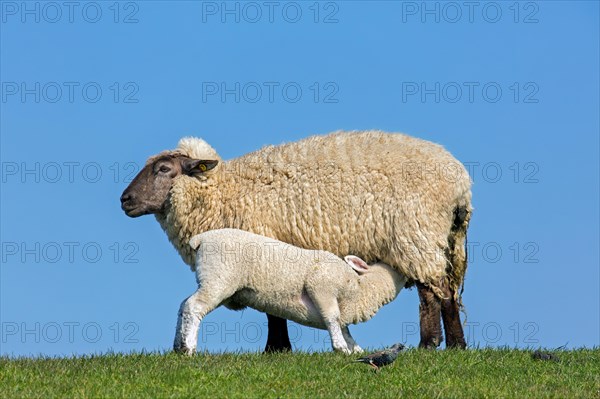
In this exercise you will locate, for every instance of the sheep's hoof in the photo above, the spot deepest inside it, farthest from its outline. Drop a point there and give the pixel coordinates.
(357, 349)
(276, 349)
(430, 343)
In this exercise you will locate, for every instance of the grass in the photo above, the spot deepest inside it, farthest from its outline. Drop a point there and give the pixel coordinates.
(491, 373)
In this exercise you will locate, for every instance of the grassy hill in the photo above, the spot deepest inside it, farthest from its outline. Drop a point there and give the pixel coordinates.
(416, 373)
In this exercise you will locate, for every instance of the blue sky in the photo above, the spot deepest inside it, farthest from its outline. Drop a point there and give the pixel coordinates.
(89, 92)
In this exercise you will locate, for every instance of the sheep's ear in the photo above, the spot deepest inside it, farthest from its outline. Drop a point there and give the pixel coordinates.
(359, 265)
(196, 166)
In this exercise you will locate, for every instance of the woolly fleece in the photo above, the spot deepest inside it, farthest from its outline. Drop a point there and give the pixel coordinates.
(314, 288)
(380, 196)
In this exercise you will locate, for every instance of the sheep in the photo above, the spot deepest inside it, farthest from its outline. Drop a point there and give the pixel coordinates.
(315, 288)
(381, 196)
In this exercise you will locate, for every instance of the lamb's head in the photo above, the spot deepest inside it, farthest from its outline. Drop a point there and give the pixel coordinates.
(148, 193)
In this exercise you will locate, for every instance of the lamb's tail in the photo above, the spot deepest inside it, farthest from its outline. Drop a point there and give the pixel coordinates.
(457, 251)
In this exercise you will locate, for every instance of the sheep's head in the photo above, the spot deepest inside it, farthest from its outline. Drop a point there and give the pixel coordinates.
(148, 193)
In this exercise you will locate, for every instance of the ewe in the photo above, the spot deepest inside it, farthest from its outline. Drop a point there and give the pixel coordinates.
(236, 268)
(380, 196)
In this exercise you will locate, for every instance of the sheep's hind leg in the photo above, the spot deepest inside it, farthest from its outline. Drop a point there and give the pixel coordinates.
(430, 318)
(191, 312)
(350, 341)
(278, 339)
(455, 336)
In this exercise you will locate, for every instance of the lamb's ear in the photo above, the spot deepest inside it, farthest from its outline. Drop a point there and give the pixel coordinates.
(359, 265)
(195, 166)
(195, 242)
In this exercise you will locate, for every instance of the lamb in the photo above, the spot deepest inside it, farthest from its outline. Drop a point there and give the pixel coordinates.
(315, 288)
(380, 196)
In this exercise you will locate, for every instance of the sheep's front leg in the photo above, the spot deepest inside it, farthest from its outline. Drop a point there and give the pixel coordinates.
(350, 341)
(278, 339)
(191, 312)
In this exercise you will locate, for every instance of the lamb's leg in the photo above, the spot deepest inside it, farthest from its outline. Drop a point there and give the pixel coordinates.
(278, 339)
(337, 337)
(191, 312)
(455, 337)
(430, 315)
(329, 309)
(350, 341)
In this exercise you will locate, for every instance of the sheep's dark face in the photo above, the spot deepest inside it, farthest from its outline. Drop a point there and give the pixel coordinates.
(149, 191)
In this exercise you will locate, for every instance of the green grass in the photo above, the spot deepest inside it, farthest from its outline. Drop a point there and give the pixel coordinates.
(417, 373)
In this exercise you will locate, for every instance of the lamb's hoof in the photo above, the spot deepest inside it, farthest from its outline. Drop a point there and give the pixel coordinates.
(357, 349)
(344, 350)
(182, 350)
(185, 352)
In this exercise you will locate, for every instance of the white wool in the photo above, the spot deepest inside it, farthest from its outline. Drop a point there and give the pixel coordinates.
(401, 211)
(196, 148)
(315, 288)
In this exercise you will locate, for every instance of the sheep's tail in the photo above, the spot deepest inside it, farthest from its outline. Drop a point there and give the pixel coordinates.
(457, 253)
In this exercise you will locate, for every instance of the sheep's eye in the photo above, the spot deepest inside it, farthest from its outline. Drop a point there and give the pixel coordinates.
(164, 169)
